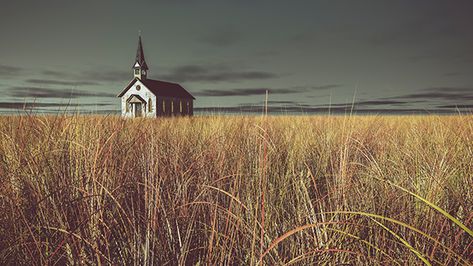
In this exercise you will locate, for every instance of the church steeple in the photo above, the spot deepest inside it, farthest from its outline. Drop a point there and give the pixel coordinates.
(140, 68)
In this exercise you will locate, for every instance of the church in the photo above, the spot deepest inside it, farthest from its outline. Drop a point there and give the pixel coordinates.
(144, 97)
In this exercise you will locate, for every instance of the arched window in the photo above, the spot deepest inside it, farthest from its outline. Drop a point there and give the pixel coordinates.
(188, 108)
(150, 105)
(180, 107)
(164, 106)
(172, 106)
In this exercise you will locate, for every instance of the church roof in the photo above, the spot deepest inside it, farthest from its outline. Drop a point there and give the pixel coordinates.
(140, 56)
(136, 99)
(161, 88)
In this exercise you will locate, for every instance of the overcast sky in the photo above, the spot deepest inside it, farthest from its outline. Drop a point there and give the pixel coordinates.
(386, 56)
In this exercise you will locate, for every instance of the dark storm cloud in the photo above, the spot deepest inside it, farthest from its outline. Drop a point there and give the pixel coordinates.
(59, 82)
(247, 92)
(6, 71)
(367, 103)
(35, 92)
(29, 105)
(322, 87)
(381, 102)
(214, 73)
(282, 102)
(441, 93)
(260, 91)
(88, 77)
(110, 75)
(239, 92)
(459, 106)
(55, 73)
(222, 37)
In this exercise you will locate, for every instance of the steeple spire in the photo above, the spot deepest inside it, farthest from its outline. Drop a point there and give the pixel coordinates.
(140, 55)
(140, 67)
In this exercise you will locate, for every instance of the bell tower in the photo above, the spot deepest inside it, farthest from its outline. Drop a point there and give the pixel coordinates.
(140, 68)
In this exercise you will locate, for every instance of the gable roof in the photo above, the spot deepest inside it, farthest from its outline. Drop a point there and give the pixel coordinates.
(161, 88)
(135, 99)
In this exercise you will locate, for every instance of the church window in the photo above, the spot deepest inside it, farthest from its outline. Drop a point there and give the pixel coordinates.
(127, 108)
(180, 106)
(172, 106)
(150, 105)
(138, 87)
(187, 107)
(137, 71)
(164, 106)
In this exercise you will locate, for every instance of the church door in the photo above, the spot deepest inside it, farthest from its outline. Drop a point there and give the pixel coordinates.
(138, 109)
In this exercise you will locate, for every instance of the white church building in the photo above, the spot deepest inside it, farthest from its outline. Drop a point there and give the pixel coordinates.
(144, 97)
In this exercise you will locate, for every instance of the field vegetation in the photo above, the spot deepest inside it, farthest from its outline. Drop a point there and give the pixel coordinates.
(239, 190)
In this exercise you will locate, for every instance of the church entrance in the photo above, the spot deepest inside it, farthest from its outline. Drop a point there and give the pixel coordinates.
(138, 109)
(137, 105)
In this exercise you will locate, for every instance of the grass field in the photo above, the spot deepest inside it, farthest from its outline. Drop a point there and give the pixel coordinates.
(389, 190)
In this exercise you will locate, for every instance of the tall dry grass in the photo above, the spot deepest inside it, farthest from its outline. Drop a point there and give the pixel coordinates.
(236, 190)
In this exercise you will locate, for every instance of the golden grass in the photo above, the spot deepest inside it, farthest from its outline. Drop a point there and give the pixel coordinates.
(236, 190)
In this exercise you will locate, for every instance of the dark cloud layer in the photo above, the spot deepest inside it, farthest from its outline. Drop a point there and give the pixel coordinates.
(6, 71)
(452, 94)
(33, 105)
(54, 73)
(459, 106)
(87, 77)
(366, 103)
(245, 92)
(60, 82)
(35, 92)
(214, 73)
(108, 75)
(260, 91)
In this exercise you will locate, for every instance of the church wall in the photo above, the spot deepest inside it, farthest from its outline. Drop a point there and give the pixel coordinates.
(144, 93)
(173, 104)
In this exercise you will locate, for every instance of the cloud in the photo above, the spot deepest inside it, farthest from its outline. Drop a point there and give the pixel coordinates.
(89, 77)
(214, 73)
(244, 92)
(260, 91)
(34, 92)
(366, 103)
(222, 37)
(323, 87)
(282, 102)
(33, 105)
(6, 71)
(459, 106)
(55, 73)
(110, 75)
(456, 94)
(58, 82)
